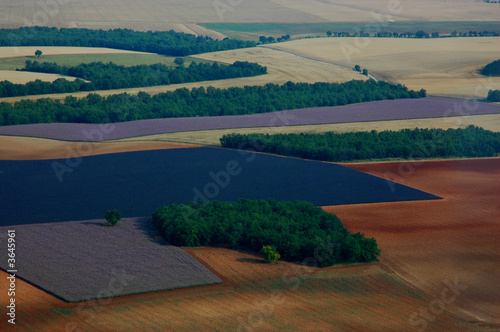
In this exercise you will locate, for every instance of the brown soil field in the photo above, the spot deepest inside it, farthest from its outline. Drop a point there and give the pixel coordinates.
(23, 77)
(281, 68)
(425, 247)
(211, 137)
(427, 243)
(444, 66)
(26, 148)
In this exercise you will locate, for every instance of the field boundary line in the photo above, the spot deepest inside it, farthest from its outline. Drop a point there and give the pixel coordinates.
(315, 60)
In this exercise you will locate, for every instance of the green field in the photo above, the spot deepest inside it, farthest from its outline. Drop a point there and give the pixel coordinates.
(76, 59)
(252, 31)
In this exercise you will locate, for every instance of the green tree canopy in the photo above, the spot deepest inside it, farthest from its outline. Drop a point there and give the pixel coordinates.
(112, 217)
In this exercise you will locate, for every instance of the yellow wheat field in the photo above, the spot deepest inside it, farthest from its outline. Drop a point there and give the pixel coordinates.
(442, 66)
(281, 69)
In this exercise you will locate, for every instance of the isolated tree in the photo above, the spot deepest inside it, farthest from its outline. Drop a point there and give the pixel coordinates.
(112, 217)
(365, 72)
(357, 68)
(329, 33)
(270, 253)
(38, 53)
(179, 61)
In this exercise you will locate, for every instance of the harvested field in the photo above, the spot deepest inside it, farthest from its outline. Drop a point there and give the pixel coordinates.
(281, 68)
(137, 183)
(442, 66)
(425, 242)
(27, 148)
(363, 112)
(23, 77)
(405, 10)
(429, 242)
(180, 15)
(24, 51)
(106, 268)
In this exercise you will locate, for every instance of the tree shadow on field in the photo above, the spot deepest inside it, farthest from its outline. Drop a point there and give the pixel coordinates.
(96, 223)
(250, 260)
(145, 225)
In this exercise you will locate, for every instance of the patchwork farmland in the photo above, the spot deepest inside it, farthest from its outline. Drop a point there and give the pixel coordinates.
(435, 221)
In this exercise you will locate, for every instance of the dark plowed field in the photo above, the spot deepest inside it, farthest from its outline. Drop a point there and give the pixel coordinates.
(137, 183)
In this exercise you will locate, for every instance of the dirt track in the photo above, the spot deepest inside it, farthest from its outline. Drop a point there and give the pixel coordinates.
(425, 243)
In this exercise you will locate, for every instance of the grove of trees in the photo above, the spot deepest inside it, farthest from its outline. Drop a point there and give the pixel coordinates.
(161, 42)
(199, 102)
(112, 76)
(493, 96)
(298, 231)
(492, 69)
(418, 143)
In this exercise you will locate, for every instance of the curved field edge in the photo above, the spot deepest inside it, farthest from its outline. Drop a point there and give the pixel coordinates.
(137, 183)
(30, 148)
(423, 244)
(105, 267)
(212, 137)
(430, 107)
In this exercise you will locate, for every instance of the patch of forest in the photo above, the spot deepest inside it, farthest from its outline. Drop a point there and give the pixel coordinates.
(112, 76)
(407, 144)
(300, 231)
(492, 69)
(162, 42)
(199, 102)
(493, 96)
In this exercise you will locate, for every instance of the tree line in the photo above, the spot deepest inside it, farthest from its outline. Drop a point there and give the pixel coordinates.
(408, 34)
(407, 144)
(298, 230)
(162, 42)
(493, 96)
(112, 76)
(199, 102)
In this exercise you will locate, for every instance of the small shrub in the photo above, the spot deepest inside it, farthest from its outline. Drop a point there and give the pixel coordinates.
(271, 255)
(112, 217)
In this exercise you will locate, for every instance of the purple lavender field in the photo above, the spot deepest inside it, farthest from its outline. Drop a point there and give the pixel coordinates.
(85, 260)
(384, 110)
